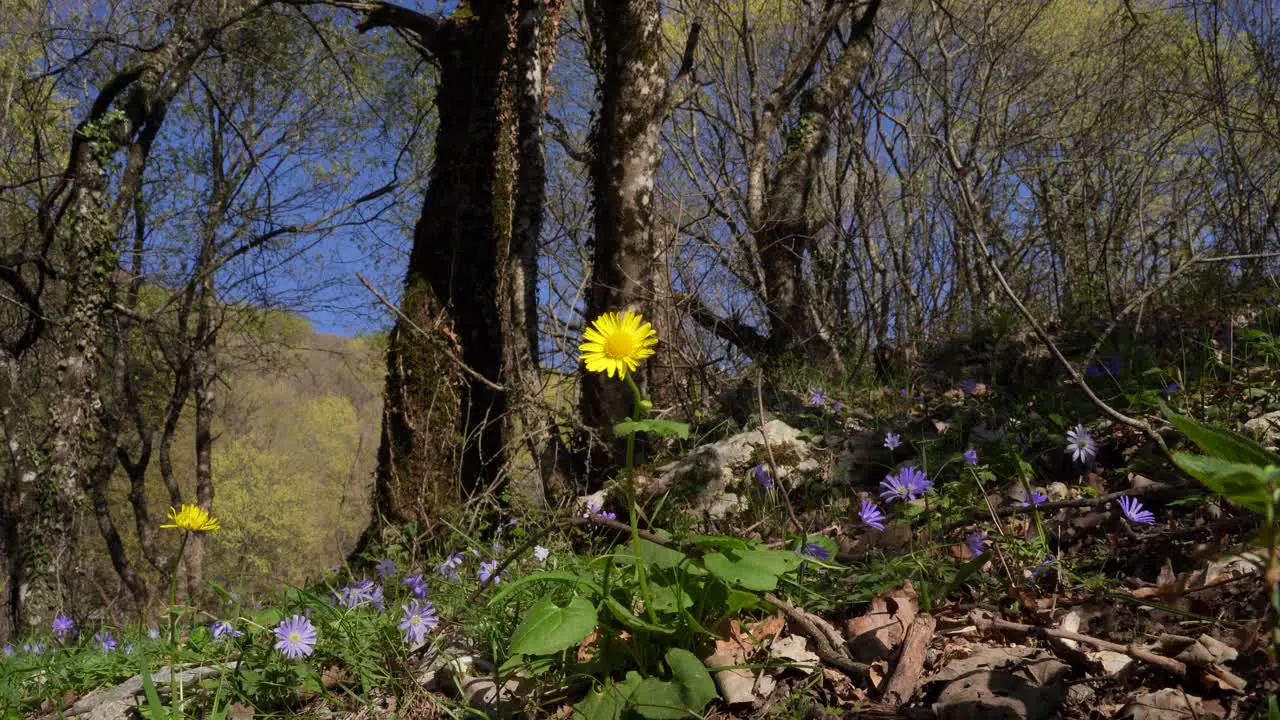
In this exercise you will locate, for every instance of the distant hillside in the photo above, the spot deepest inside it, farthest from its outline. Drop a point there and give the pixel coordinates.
(296, 438)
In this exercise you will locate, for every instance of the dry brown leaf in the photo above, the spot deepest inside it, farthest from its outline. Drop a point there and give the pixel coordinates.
(239, 711)
(878, 631)
(586, 648)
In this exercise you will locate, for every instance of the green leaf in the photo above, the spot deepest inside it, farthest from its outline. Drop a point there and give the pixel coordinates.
(1220, 443)
(156, 710)
(663, 428)
(751, 569)
(631, 620)
(662, 556)
(658, 700)
(1243, 483)
(549, 628)
(667, 591)
(695, 682)
(604, 703)
(719, 542)
(963, 573)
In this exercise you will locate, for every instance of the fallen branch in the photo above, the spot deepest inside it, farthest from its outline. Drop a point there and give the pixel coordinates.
(805, 623)
(906, 675)
(1169, 665)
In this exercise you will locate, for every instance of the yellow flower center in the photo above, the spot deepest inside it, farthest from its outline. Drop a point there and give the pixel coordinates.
(295, 637)
(619, 344)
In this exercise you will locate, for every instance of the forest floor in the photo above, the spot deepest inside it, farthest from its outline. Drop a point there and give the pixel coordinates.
(947, 550)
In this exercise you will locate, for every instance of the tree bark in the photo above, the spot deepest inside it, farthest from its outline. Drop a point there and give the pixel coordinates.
(636, 96)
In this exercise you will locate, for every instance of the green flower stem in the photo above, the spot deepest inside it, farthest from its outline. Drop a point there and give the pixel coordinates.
(173, 621)
(636, 413)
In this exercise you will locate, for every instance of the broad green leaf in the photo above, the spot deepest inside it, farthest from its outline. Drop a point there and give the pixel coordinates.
(719, 542)
(661, 556)
(667, 591)
(1222, 444)
(695, 682)
(751, 569)
(963, 573)
(663, 428)
(658, 700)
(549, 628)
(604, 703)
(1243, 483)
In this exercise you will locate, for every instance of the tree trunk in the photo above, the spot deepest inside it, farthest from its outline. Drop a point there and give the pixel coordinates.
(635, 95)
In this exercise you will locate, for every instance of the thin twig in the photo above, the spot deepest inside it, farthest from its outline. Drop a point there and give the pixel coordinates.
(773, 464)
(1170, 665)
(1006, 511)
(443, 346)
(822, 644)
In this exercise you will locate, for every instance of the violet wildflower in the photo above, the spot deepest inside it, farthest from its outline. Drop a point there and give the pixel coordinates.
(1043, 568)
(222, 629)
(976, 543)
(419, 619)
(418, 587)
(871, 515)
(971, 456)
(837, 407)
(595, 508)
(1036, 499)
(816, 550)
(8, 650)
(1080, 445)
(385, 567)
(969, 386)
(540, 553)
(1134, 511)
(104, 641)
(488, 572)
(449, 568)
(762, 476)
(63, 627)
(907, 484)
(153, 633)
(892, 440)
(359, 594)
(1172, 388)
(817, 397)
(296, 637)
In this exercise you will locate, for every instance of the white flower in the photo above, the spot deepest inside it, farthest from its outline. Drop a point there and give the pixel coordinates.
(1080, 445)
(541, 553)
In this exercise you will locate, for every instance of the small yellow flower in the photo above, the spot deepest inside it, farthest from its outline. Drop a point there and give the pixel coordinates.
(192, 518)
(616, 343)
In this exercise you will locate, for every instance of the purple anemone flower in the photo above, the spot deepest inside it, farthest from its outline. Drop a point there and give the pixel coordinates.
(419, 619)
(296, 637)
(418, 587)
(762, 476)
(1134, 511)
(1036, 499)
(976, 543)
(908, 483)
(63, 627)
(385, 567)
(488, 573)
(893, 441)
(971, 456)
(104, 641)
(817, 397)
(222, 629)
(871, 515)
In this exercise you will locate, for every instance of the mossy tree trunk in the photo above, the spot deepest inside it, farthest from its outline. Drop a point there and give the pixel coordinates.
(465, 328)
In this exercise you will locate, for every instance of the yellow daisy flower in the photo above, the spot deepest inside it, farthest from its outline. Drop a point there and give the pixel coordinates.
(192, 518)
(616, 343)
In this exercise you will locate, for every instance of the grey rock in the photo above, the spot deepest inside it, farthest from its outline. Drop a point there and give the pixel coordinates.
(1265, 427)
